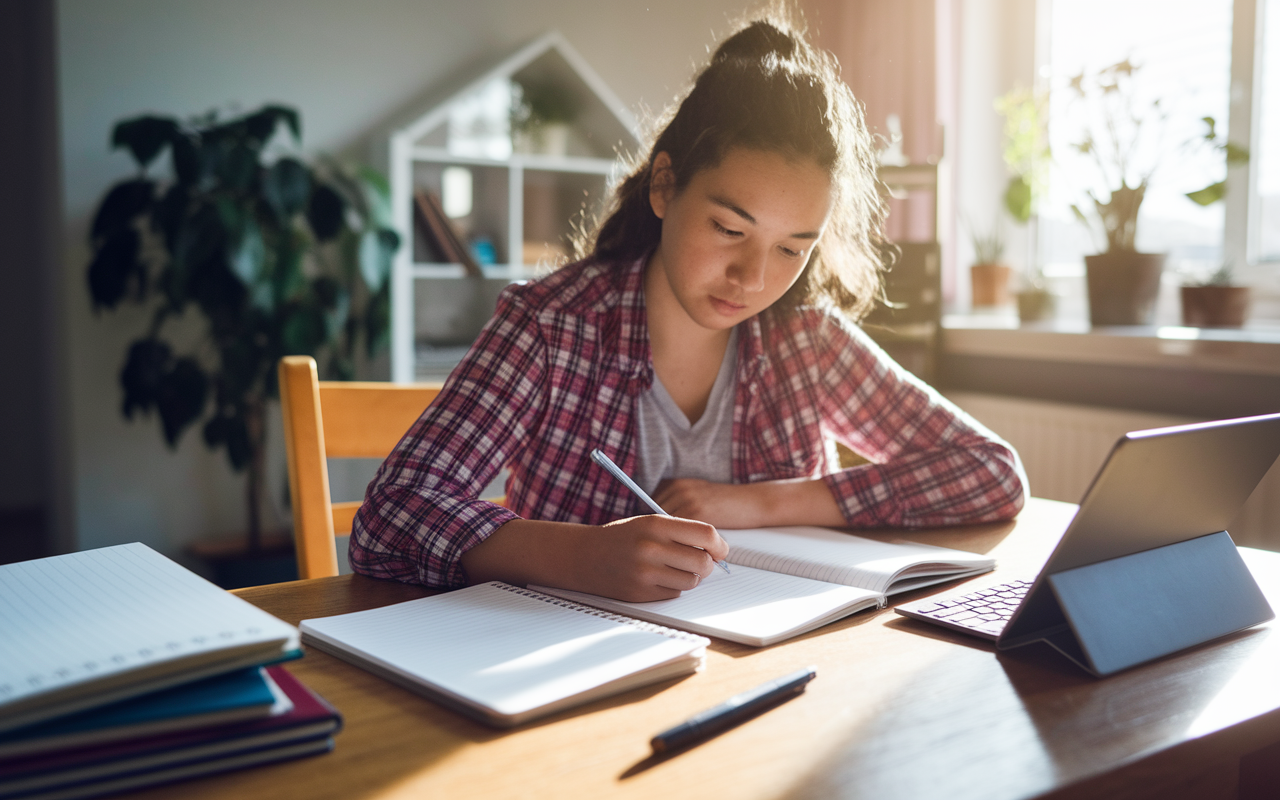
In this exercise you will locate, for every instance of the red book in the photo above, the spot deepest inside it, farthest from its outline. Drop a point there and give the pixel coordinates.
(305, 728)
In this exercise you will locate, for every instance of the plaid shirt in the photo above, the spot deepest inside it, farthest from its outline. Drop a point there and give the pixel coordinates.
(556, 372)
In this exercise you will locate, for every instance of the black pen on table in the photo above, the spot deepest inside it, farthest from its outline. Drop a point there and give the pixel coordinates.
(625, 479)
(733, 711)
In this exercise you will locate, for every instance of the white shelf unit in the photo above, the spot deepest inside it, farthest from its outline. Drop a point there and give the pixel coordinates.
(517, 198)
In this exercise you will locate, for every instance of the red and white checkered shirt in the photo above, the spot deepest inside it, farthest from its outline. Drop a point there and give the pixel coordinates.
(557, 371)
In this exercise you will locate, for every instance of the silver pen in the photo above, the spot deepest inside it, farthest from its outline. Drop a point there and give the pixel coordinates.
(625, 479)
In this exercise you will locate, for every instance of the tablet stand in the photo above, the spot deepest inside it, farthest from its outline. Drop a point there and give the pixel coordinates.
(1135, 608)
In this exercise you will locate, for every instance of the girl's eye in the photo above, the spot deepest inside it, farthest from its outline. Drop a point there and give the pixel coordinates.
(789, 253)
(722, 229)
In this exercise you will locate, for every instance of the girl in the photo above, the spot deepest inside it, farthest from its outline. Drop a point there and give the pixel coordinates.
(705, 344)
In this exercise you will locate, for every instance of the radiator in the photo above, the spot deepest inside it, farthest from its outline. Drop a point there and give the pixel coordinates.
(1062, 446)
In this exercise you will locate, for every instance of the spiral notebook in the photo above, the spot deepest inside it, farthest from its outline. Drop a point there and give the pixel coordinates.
(505, 655)
(86, 629)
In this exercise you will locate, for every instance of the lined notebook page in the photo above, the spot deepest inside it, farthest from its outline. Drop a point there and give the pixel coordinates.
(828, 555)
(750, 606)
(87, 616)
(501, 647)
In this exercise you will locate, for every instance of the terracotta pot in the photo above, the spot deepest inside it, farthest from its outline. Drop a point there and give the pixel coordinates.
(1035, 305)
(990, 284)
(1123, 287)
(1215, 306)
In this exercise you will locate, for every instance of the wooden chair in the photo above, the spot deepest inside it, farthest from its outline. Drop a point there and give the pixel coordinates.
(335, 419)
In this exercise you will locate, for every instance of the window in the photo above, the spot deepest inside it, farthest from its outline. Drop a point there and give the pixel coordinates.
(1266, 146)
(1182, 52)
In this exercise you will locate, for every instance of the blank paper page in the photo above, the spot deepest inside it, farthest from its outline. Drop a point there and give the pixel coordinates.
(81, 617)
(828, 555)
(501, 647)
(748, 605)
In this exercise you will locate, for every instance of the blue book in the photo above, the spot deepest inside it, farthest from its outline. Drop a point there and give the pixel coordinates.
(236, 696)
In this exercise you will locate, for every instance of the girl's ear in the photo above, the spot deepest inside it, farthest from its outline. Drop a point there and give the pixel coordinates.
(662, 184)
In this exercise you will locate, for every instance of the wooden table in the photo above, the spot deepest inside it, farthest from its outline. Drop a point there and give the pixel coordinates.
(900, 709)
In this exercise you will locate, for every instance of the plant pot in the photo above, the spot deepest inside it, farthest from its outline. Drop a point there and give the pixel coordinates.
(1035, 305)
(1215, 306)
(1123, 287)
(990, 284)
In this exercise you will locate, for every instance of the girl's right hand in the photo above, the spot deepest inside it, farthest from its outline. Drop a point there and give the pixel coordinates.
(637, 559)
(649, 557)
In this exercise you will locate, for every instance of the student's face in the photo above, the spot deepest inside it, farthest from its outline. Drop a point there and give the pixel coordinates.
(739, 234)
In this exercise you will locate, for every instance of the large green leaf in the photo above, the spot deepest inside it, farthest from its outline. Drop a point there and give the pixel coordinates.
(237, 166)
(286, 187)
(261, 124)
(169, 215)
(1017, 198)
(181, 398)
(377, 320)
(304, 330)
(125, 202)
(114, 267)
(187, 163)
(144, 136)
(144, 369)
(250, 255)
(377, 249)
(325, 212)
(1209, 194)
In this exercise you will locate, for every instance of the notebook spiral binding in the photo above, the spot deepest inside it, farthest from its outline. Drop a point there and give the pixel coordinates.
(596, 612)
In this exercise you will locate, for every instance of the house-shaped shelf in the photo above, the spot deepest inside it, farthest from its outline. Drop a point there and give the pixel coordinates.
(510, 188)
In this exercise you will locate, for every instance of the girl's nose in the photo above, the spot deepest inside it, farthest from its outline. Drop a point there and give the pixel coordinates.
(747, 269)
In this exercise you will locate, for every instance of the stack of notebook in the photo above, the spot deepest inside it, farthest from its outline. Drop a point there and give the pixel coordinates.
(122, 669)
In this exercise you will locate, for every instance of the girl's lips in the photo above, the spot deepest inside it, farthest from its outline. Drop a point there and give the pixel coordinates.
(725, 307)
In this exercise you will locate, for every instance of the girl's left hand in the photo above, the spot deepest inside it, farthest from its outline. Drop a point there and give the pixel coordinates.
(723, 505)
(750, 505)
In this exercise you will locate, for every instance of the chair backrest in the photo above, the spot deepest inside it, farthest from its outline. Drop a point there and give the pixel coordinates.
(335, 419)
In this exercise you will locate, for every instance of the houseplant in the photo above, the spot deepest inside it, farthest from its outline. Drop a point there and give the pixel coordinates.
(1027, 155)
(1120, 138)
(276, 256)
(1215, 302)
(541, 113)
(989, 274)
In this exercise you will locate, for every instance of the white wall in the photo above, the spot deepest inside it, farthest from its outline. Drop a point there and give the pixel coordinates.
(347, 67)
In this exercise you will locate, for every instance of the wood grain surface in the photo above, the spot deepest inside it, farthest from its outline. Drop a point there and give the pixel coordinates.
(899, 709)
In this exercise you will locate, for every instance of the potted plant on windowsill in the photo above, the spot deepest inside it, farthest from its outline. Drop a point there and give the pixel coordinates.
(275, 257)
(1215, 302)
(1027, 155)
(1121, 139)
(989, 274)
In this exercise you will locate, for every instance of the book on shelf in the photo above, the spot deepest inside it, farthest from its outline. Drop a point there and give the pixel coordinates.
(788, 581)
(441, 236)
(300, 723)
(92, 628)
(505, 655)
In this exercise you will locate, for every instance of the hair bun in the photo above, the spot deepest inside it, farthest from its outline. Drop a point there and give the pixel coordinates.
(757, 40)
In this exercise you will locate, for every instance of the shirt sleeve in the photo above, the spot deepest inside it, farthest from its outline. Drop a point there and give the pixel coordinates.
(422, 511)
(931, 463)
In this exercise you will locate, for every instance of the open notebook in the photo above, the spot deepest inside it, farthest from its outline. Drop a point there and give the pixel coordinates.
(503, 654)
(787, 581)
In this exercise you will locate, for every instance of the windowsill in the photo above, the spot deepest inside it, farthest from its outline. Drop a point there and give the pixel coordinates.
(1252, 350)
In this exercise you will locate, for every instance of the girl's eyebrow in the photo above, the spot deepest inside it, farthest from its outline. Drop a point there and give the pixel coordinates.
(742, 212)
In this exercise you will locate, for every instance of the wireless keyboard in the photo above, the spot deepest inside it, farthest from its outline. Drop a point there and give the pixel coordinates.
(980, 612)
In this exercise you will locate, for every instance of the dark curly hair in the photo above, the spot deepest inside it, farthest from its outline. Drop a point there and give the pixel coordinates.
(766, 88)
